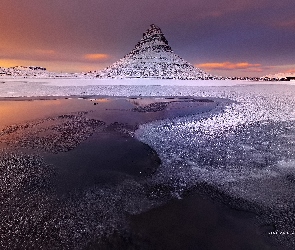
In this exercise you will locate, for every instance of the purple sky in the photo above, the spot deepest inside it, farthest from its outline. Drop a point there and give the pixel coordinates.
(224, 37)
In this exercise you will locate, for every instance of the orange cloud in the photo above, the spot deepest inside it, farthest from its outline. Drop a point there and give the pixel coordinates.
(96, 57)
(290, 71)
(286, 24)
(50, 55)
(229, 66)
(29, 54)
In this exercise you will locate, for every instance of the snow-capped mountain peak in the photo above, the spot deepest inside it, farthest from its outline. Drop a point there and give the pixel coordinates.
(153, 36)
(152, 57)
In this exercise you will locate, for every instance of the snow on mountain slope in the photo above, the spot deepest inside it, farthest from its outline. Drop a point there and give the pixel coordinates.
(152, 57)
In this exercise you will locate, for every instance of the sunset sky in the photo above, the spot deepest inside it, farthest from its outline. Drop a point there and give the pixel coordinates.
(223, 37)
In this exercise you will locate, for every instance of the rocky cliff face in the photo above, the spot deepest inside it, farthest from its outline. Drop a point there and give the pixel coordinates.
(152, 57)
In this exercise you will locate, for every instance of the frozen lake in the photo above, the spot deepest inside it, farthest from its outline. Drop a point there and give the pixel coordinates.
(240, 153)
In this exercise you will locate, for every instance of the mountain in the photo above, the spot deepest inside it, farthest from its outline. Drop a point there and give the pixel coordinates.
(152, 57)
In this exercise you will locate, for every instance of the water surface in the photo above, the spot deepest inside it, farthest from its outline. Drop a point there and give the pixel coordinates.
(103, 184)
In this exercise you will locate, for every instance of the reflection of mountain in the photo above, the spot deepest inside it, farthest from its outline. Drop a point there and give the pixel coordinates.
(152, 57)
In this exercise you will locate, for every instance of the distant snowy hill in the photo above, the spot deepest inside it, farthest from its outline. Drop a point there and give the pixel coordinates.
(152, 57)
(282, 76)
(32, 72)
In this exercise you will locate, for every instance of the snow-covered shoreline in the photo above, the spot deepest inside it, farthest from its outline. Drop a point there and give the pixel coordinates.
(128, 82)
(30, 87)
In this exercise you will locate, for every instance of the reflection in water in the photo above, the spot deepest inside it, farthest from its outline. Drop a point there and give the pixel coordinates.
(14, 112)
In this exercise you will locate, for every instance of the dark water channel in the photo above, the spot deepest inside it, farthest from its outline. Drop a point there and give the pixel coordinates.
(109, 156)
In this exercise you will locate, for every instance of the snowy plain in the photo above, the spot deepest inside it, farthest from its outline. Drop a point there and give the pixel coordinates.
(133, 82)
(256, 104)
(245, 147)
